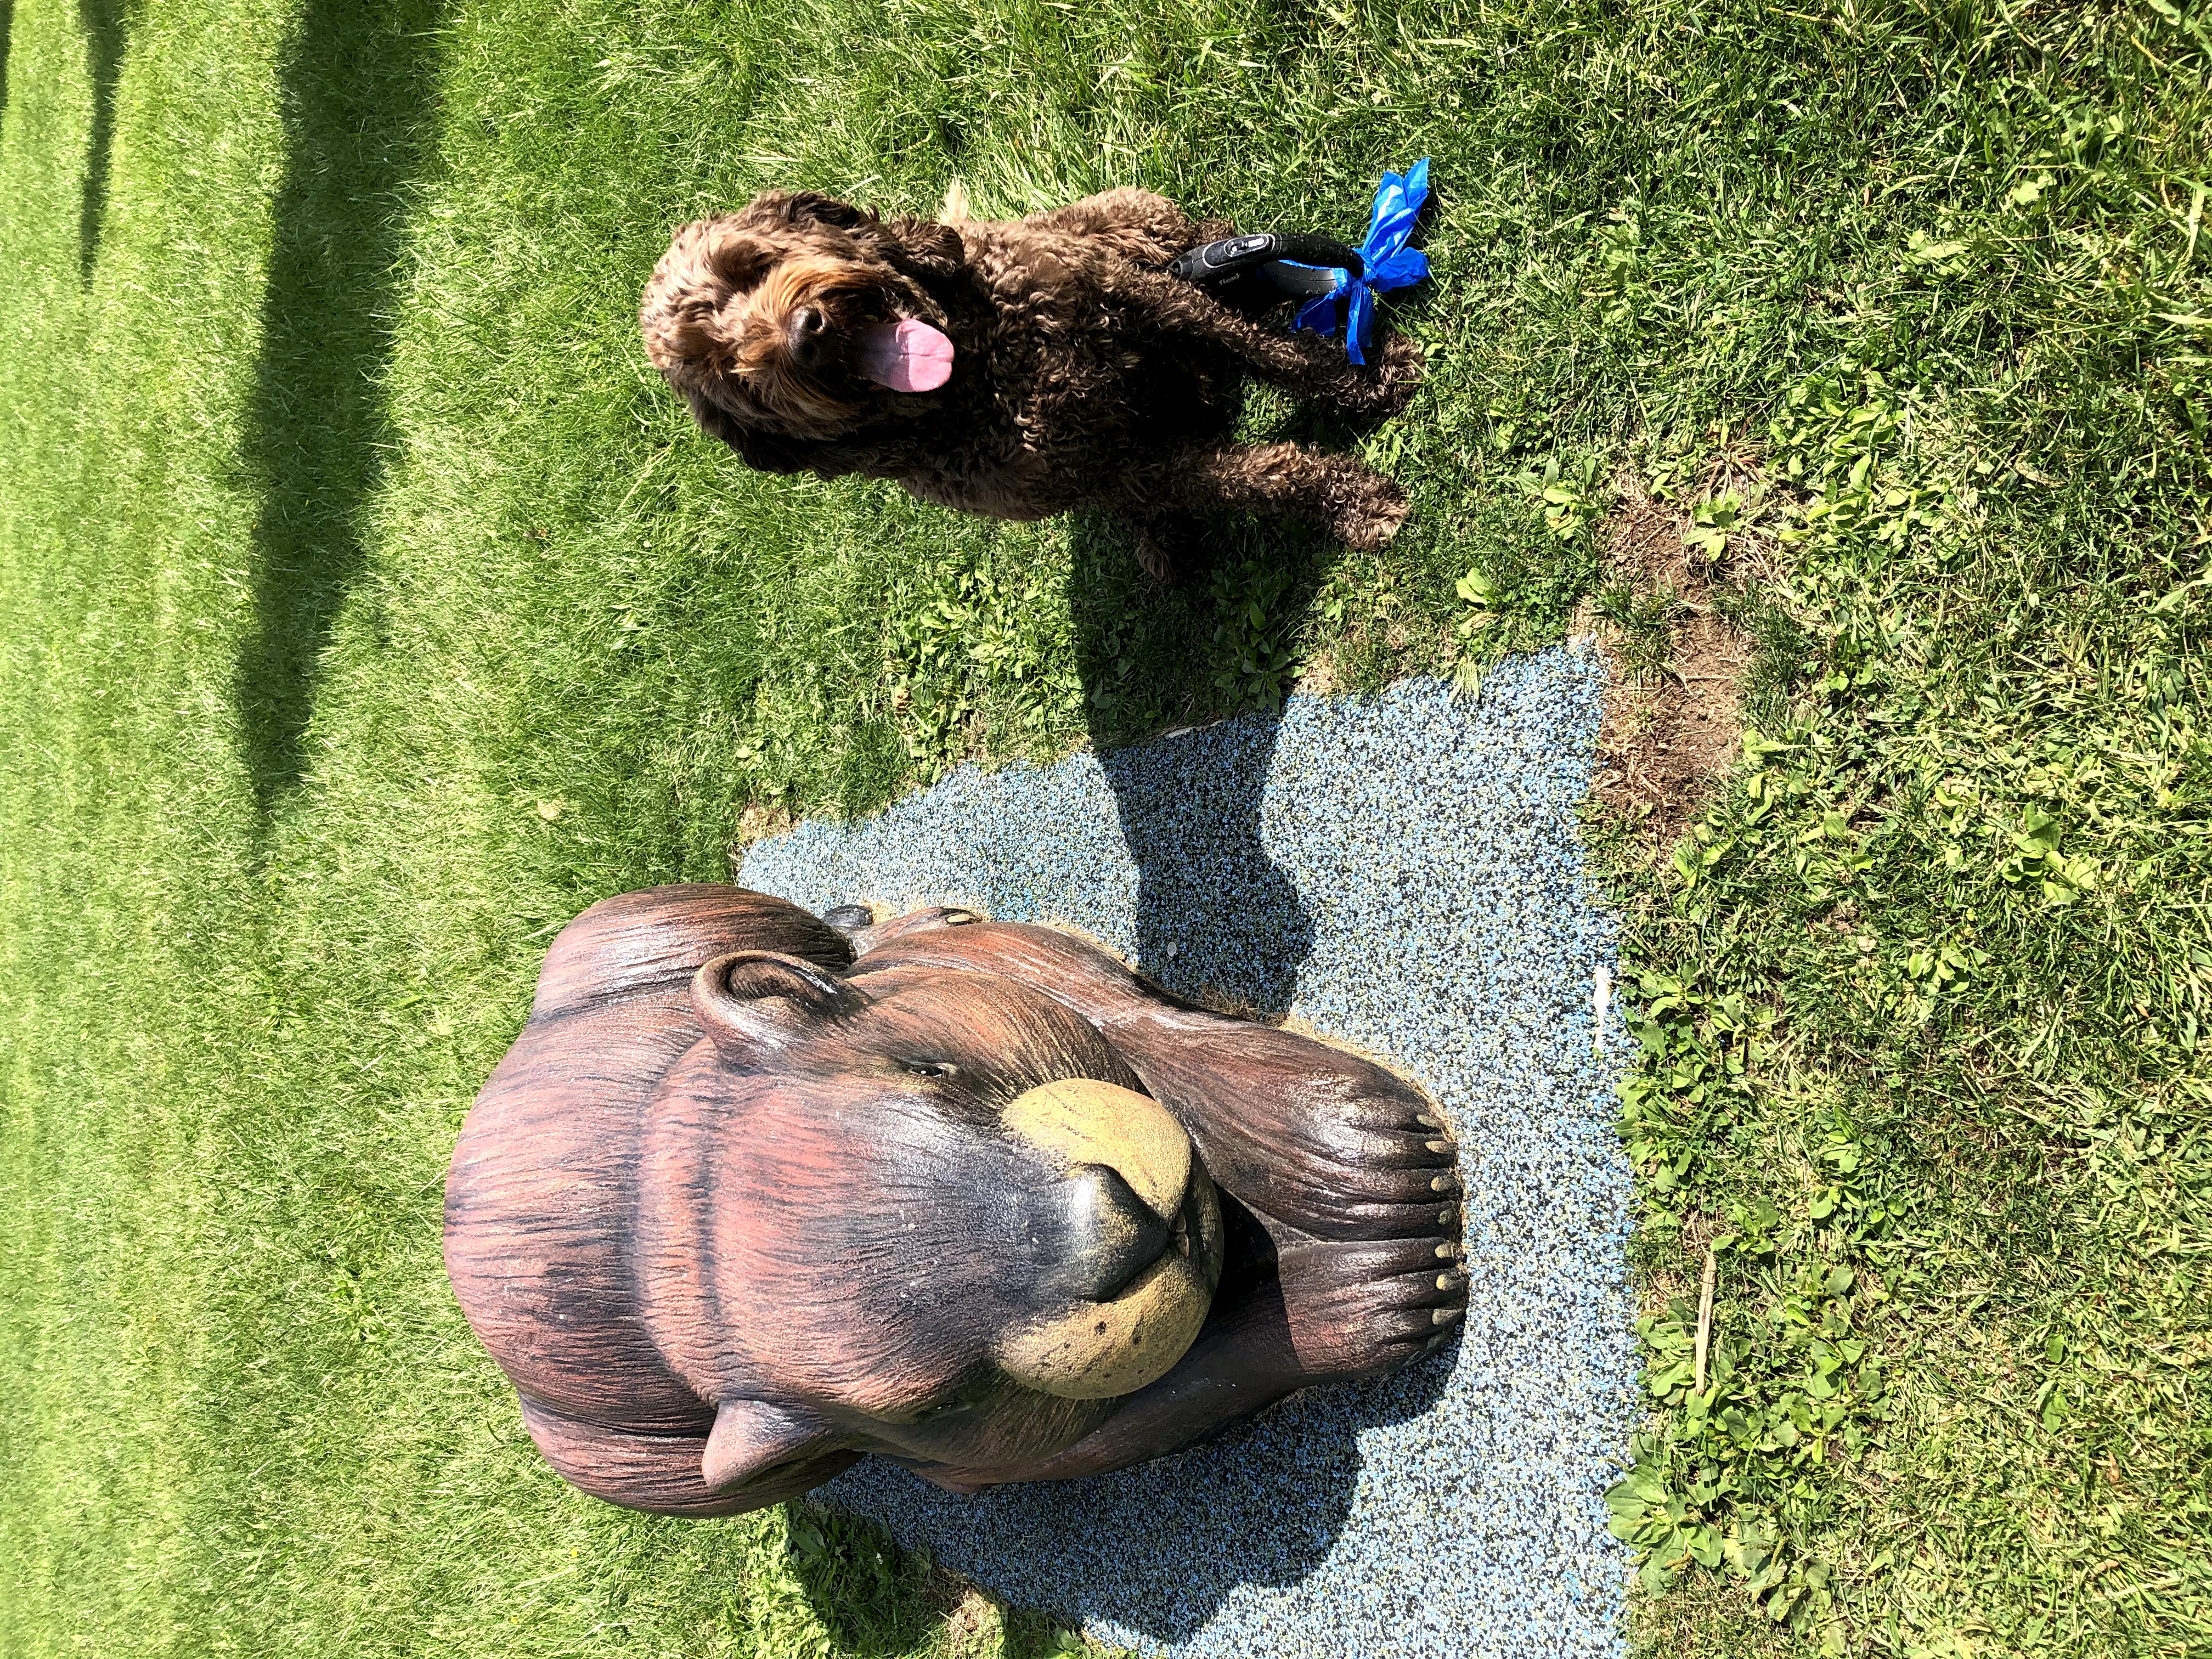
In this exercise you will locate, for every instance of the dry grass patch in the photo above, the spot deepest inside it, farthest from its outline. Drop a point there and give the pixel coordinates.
(761, 822)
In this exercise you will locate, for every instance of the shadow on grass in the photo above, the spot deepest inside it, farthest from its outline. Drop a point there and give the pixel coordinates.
(358, 85)
(870, 1596)
(1215, 919)
(7, 33)
(878, 1601)
(106, 26)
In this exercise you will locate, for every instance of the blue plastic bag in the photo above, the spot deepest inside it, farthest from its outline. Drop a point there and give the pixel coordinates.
(1390, 264)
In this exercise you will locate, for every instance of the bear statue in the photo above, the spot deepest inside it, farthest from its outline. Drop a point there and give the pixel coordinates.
(756, 1192)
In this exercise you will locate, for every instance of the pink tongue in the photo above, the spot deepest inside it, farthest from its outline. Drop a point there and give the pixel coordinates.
(908, 356)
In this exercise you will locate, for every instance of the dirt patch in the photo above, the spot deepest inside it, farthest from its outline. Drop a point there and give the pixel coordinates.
(1673, 711)
(976, 1621)
(758, 822)
(1318, 677)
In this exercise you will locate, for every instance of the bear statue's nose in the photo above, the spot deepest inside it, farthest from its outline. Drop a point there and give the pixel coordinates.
(1125, 1172)
(1125, 1242)
(1112, 1235)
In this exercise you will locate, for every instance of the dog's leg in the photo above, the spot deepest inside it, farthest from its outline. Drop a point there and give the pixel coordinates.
(1360, 508)
(1303, 364)
(1168, 544)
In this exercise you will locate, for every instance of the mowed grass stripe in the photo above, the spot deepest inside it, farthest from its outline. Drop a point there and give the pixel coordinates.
(113, 796)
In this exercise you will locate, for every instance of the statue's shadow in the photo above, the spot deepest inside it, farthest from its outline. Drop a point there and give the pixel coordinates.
(1157, 1550)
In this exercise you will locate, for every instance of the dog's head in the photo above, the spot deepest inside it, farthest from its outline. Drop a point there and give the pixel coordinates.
(791, 320)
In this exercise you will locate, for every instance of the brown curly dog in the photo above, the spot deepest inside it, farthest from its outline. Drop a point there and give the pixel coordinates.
(1014, 368)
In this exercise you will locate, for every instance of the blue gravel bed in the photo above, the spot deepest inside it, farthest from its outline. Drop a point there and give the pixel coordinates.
(1402, 873)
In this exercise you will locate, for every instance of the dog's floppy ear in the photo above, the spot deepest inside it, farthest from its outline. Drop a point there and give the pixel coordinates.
(779, 208)
(768, 452)
(763, 451)
(920, 246)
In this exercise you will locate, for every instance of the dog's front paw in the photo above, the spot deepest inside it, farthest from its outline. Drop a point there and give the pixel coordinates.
(1385, 387)
(1367, 517)
(1169, 547)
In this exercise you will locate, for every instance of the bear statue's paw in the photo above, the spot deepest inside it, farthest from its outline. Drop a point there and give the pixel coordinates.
(848, 921)
(1324, 1141)
(1360, 1309)
(929, 918)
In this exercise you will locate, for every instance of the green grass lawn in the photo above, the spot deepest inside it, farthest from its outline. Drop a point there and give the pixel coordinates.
(366, 608)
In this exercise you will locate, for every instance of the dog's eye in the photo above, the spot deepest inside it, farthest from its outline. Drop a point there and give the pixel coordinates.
(936, 1068)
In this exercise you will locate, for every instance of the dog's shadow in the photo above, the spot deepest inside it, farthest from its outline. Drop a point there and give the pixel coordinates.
(1211, 660)
(1215, 919)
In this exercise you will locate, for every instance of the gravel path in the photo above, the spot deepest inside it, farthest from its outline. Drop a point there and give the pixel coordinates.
(1403, 873)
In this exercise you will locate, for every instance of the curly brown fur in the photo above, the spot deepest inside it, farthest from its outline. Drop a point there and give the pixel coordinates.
(1083, 373)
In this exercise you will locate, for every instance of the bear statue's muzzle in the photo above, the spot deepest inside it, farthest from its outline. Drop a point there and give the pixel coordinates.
(1130, 1235)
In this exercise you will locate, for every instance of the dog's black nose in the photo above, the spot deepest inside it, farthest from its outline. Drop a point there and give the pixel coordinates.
(808, 334)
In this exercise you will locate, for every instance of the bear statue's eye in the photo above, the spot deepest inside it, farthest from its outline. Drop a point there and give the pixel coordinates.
(928, 1068)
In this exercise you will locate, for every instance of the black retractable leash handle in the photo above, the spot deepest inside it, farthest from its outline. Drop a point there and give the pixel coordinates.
(1288, 262)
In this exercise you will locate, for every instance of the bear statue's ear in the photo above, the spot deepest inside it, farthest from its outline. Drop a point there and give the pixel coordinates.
(751, 1000)
(752, 1437)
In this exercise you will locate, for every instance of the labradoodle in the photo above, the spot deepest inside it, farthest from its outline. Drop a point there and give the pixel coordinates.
(1014, 368)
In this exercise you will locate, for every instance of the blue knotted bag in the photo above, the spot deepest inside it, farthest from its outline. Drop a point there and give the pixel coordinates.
(1389, 264)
